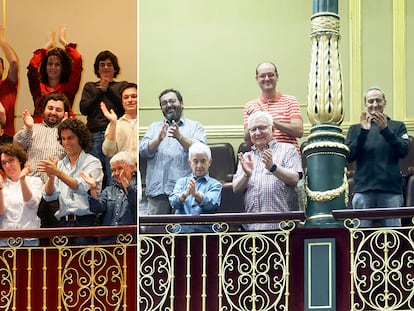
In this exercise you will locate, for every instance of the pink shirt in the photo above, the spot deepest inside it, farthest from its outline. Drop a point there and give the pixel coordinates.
(282, 108)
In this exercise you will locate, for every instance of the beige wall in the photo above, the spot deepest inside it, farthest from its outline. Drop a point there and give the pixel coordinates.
(209, 49)
(95, 25)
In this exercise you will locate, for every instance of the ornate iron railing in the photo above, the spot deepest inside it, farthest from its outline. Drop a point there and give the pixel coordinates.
(221, 270)
(60, 276)
(381, 261)
(231, 269)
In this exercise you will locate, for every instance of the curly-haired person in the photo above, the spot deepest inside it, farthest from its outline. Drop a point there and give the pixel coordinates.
(64, 180)
(53, 69)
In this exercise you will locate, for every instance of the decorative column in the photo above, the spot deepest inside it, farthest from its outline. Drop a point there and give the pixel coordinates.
(326, 181)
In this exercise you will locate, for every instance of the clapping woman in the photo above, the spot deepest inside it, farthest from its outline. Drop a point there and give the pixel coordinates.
(20, 194)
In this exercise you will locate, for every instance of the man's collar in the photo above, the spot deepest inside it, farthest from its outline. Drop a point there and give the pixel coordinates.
(201, 178)
(270, 145)
(274, 99)
(48, 125)
(179, 123)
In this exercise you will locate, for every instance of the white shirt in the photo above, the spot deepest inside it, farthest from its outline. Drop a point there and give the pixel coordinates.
(20, 214)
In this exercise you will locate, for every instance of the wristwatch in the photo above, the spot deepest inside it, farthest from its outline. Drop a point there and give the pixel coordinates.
(273, 168)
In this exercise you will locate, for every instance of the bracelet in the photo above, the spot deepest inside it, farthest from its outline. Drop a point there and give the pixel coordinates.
(245, 175)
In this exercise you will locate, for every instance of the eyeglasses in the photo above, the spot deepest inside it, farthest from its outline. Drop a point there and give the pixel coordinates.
(171, 101)
(267, 75)
(260, 128)
(9, 161)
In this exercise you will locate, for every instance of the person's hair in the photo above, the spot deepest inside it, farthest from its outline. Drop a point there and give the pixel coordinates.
(376, 88)
(199, 148)
(128, 86)
(57, 97)
(2, 61)
(258, 115)
(104, 55)
(65, 60)
(166, 91)
(14, 150)
(266, 63)
(79, 129)
(123, 156)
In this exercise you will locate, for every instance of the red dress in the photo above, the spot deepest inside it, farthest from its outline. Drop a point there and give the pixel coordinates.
(39, 89)
(8, 93)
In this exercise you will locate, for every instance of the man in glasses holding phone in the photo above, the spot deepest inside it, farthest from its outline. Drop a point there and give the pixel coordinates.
(165, 148)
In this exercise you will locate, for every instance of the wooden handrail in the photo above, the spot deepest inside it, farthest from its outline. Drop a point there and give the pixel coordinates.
(222, 217)
(69, 231)
(374, 213)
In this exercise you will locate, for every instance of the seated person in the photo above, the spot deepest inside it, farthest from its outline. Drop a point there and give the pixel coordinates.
(268, 174)
(117, 202)
(197, 193)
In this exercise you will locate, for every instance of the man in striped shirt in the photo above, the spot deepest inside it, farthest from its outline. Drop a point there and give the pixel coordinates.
(40, 141)
(284, 109)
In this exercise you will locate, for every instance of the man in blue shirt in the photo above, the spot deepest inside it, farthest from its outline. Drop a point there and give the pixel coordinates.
(118, 202)
(165, 148)
(197, 193)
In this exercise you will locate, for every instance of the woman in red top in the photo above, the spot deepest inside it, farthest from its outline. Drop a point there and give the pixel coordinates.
(53, 69)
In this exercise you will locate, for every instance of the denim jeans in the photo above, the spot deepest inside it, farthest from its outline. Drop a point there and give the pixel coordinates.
(377, 199)
(96, 150)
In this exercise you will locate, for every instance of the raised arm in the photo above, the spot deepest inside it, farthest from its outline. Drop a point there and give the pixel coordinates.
(76, 70)
(109, 146)
(2, 115)
(11, 57)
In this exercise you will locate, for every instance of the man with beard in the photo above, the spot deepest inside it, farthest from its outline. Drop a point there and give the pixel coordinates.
(40, 141)
(165, 147)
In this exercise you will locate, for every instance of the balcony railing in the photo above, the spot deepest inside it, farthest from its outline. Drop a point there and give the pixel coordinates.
(231, 269)
(60, 276)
